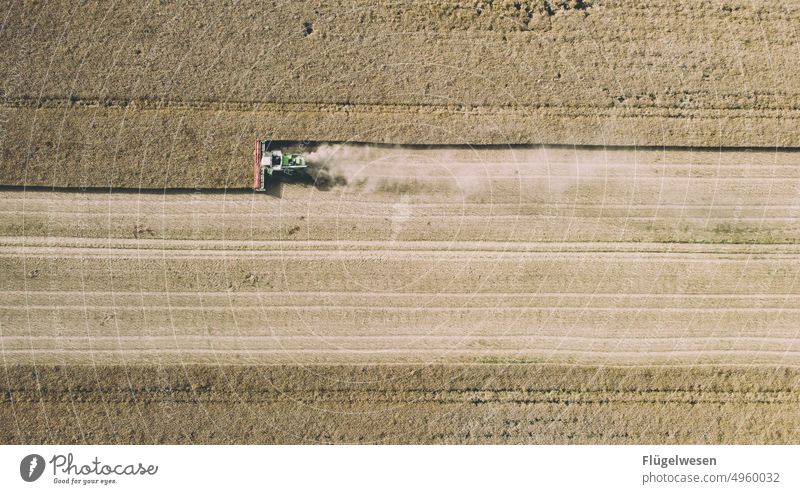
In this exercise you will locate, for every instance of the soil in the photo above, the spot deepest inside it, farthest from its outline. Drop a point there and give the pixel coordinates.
(429, 296)
(160, 94)
(451, 404)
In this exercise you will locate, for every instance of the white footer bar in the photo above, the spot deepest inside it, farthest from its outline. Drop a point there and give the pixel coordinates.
(402, 469)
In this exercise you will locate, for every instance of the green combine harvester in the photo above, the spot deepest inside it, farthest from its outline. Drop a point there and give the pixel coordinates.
(268, 162)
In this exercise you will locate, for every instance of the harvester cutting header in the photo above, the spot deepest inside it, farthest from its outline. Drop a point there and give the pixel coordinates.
(269, 161)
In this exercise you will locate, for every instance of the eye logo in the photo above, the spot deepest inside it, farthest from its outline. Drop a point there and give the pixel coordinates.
(31, 468)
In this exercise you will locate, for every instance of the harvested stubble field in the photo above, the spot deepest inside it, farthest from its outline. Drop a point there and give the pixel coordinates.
(166, 94)
(399, 404)
(431, 295)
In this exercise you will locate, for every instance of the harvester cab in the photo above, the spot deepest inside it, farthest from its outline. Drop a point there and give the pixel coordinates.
(269, 161)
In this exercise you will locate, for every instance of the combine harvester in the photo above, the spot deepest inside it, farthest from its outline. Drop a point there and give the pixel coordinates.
(269, 161)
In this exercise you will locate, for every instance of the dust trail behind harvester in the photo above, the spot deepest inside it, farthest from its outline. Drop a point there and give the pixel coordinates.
(481, 174)
(459, 170)
(512, 174)
(398, 170)
(332, 165)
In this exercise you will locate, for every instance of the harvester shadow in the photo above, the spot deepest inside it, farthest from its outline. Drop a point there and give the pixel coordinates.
(274, 188)
(126, 190)
(317, 176)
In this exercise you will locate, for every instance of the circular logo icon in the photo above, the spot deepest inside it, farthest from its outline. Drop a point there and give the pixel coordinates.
(31, 468)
